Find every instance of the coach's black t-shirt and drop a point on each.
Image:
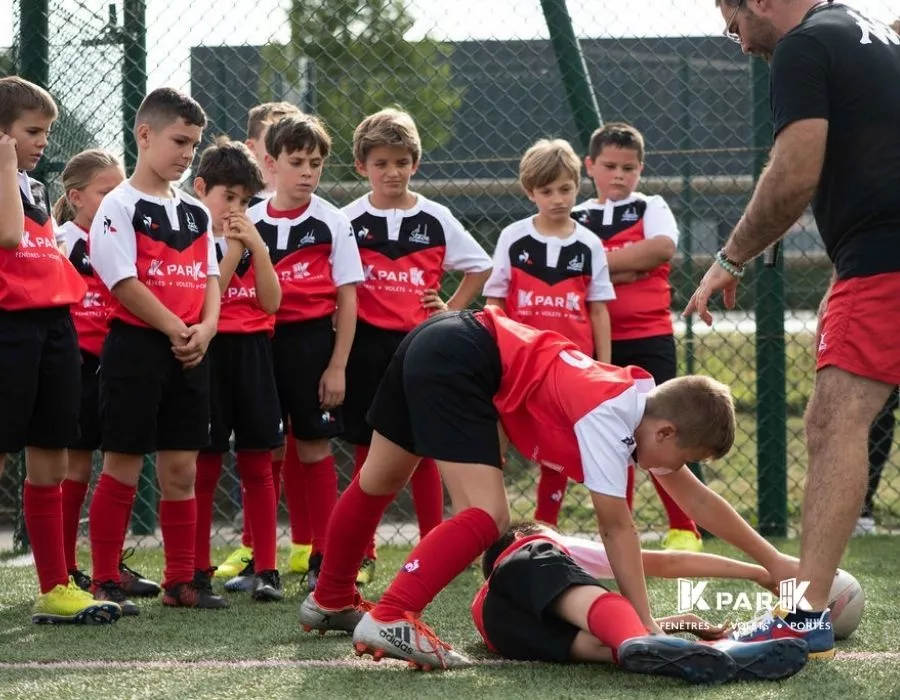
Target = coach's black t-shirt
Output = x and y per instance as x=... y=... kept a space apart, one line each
x=844 y=67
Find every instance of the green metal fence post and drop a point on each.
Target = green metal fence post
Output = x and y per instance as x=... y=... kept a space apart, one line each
x=575 y=76
x=771 y=406
x=34 y=65
x=134 y=72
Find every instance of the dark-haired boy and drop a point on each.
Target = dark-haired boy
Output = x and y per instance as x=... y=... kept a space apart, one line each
x=244 y=397
x=153 y=248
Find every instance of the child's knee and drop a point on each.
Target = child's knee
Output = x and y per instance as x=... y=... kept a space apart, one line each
x=176 y=473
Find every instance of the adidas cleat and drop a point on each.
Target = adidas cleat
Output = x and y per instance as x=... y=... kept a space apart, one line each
x=409 y=640
x=69 y=605
x=267 y=586
x=770 y=660
x=133 y=583
x=243 y=582
x=234 y=563
x=676 y=657
x=314 y=617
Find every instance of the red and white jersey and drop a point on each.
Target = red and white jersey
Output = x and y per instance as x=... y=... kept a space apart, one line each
x=241 y=312
x=564 y=410
x=547 y=282
x=35 y=274
x=642 y=309
x=404 y=252
x=313 y=251
x=166 y=243
x=91 y=314
x=589 y=555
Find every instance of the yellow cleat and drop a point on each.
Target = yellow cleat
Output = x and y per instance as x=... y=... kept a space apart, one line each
x=235 y=563
x=298 y=563
x=682 y=541
x=72 y=606
x=366 y=572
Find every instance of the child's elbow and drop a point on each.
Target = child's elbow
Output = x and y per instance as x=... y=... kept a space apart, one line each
x=10 y=239
x=270 y=306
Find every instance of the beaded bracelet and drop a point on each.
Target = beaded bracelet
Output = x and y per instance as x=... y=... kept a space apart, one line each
x=732 y=268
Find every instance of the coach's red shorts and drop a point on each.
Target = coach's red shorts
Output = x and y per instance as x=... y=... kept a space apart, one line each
x=860 y=325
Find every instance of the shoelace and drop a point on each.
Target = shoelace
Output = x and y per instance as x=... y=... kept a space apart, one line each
x=73 y=591
x=127 y=554
x=363 y=605
x=438 y=646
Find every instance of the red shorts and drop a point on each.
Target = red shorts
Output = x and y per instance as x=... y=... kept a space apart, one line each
x=859 y=328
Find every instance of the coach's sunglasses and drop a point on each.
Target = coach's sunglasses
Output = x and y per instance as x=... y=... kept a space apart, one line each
x=727 y=33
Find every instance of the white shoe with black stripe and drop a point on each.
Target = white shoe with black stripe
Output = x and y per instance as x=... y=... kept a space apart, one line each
x=408 y=639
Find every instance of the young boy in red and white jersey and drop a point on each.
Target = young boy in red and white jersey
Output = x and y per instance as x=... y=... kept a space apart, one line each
x=87 y=178
x=312 y=246
x=541 y=602
x=39 y=360
x=641 y=237
x=551 y=273
x=153 y=248
x=259 y=119
x=447 y=386
x=244 y=399
x=406 y=243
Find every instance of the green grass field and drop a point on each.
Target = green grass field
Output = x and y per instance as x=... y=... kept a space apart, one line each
x=255 y=650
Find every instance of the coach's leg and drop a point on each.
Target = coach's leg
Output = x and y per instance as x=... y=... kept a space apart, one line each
x=840 y=411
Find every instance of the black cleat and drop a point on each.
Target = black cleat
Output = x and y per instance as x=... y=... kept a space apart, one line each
x=81 y=579
x=676 y=657
x=315 y=568
x=113 y=592
x=196 y=594
x=133 y=583
x=267 y=586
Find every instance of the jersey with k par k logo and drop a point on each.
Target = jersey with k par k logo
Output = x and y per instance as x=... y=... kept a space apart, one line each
x=166 y=243
x=313 y=254
x=844 y=67
x=405 y=252
x=564 y=410
x=91 y=314
x=34 y=274
x=642 y=309
x=241 y=312
x=547 y=282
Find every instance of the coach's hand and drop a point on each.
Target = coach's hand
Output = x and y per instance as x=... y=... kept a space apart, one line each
x=197 y=339
x=8 y=155
x=716 y=279
x=332 y=387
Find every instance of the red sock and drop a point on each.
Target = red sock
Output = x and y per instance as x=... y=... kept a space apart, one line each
x=353 y=521
x=550 y=493
x=321 y=496
x=678 y=519
x=209 y=467
x=107 y=524
x=277 y=464
x=629 y=489
x=612 y=619
x=255 y=470
x=359 y=458
x=428 y=496
x=42 y=507
x=178 y=522
x=73 y=495
x=435 y=562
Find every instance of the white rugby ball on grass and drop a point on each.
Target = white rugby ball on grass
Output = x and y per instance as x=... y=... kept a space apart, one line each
x=847 y=602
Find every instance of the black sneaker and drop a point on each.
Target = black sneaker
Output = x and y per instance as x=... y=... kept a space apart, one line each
x=243 y=582
x=133 y=583
x=114 y=593
x=81 y=579
x=267 y=586
x=196 y=594
x=315 y=568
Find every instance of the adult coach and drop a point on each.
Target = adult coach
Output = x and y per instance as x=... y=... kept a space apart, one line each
x=835 y=94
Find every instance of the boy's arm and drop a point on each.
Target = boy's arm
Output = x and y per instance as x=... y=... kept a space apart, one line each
x=229 y=262
x=624 y=551
x=333 y=385
x=470 y=287
x=495 y=301
x=242 y=231
x=134 y=296
x=701 y=565
x=713 y=513
x=198 y=336
x=12 y=215
x=659 y=246
x=601 y=330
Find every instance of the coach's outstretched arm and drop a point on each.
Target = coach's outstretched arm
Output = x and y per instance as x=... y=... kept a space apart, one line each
x=713 y=513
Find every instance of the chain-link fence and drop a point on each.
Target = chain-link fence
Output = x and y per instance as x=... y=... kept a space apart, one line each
x=484 y=81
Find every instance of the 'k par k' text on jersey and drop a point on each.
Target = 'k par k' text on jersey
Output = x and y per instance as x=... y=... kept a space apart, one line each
x=91 y=314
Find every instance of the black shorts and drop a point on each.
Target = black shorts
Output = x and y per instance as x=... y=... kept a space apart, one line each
x=148 y=401
x=243 y=397
x=518 y=609
x=89 y=413
x=302 y=352
x=656 y=355
x=437 y=396
x=370 y=356
x=39 y=379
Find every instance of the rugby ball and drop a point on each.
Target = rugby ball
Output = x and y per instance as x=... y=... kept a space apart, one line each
x=847 y=602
